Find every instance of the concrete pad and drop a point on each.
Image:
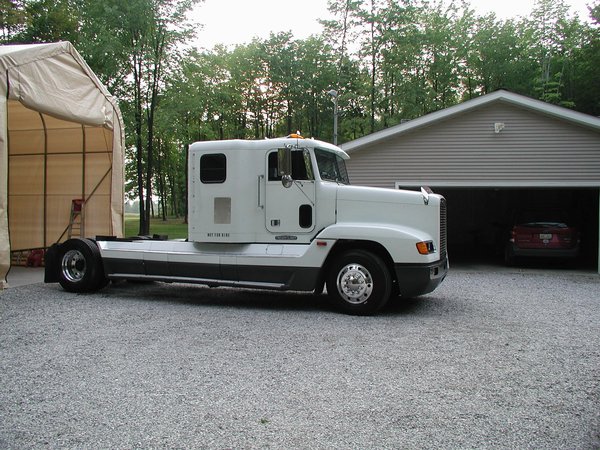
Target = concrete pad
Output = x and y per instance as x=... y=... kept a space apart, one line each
x=23 y=276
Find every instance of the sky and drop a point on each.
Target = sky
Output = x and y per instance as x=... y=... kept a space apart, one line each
x=233 y=22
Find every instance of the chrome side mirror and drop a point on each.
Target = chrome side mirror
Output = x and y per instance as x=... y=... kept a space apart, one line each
x=287 y=181
x=284 y=166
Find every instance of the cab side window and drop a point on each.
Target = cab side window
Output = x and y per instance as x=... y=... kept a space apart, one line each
x=274 y=174
x=301 y=166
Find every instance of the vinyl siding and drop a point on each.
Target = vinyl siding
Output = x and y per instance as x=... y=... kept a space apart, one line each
x=532 y=150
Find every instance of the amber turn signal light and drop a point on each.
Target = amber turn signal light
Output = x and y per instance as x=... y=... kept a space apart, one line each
x=425 y=248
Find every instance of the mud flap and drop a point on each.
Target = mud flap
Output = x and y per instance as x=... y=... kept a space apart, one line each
x=51 y=269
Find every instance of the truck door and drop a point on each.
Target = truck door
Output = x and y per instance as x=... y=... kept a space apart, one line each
x=290 y=210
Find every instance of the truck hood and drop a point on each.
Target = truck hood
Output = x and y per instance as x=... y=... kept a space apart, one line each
x=379 y=195
x=415 y=213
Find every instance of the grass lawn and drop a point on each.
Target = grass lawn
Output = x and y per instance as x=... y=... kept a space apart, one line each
x=172 y=227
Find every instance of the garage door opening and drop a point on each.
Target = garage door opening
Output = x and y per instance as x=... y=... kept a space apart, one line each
x=479 y=220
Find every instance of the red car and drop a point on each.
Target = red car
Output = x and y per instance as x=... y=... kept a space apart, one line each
x=542 y=239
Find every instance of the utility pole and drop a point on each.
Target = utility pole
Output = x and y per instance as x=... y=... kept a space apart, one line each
x=334 y=95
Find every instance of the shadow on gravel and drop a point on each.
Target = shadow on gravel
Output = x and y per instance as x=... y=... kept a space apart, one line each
x=401 y=306
x=218 y=297
x=254 y=299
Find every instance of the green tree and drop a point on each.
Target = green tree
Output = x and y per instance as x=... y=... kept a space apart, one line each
x=51 y=21
x=341 y=31
x=138 y=40
x=553 y=37
x=13 y=18
x=586 y=67
x=316 y=74
x=497 y=58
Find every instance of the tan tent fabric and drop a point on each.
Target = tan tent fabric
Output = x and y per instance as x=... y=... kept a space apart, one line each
x=61 y=139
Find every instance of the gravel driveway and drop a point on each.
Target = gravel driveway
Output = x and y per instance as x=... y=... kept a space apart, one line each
x=489 y=360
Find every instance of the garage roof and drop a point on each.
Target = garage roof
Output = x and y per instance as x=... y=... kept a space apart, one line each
x=498 y=96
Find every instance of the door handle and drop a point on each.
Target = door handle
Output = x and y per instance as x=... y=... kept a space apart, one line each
x=259 y=204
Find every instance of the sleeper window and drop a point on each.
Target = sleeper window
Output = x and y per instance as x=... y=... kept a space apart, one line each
x=213 y=168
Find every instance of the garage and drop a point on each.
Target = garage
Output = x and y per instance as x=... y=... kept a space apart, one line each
x=494 y=158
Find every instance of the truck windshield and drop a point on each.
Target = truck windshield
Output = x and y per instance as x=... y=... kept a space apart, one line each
x=331 y=166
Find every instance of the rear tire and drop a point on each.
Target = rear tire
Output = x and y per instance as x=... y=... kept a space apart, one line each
x=80 y=266
x=359 y=283
x=509 y=257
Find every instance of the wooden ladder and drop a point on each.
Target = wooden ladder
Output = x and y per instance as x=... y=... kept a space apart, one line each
x=76 y=218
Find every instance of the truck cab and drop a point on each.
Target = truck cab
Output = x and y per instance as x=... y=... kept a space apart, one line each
x=281 y=214
x=275 y=191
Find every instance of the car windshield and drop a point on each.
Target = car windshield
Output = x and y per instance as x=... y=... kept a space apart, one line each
x=543 y=218
x=331 y=166
x=543 y=223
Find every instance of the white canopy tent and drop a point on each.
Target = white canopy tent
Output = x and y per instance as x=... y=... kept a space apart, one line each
x=61 y=139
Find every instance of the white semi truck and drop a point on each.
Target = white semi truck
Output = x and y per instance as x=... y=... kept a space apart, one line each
x=278 y=214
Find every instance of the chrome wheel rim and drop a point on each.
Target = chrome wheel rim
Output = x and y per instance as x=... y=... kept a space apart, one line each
x=73 y=265
x=355 y=284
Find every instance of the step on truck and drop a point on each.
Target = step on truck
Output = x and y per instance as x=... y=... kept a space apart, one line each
x=278 y=214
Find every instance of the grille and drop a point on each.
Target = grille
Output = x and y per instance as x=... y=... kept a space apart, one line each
x=443 y=229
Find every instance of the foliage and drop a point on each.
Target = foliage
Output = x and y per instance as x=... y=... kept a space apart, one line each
x=13 y=18
x=389 y=60
x=139 y=40
x=585 y=68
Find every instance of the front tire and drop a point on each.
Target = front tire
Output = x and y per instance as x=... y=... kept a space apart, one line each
x=359 y=283
x=80 y=266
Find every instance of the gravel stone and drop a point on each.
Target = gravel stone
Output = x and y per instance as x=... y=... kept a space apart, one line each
x=492 y=359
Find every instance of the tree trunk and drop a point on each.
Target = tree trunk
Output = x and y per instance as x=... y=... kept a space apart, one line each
x=137 y=87
x=186 y=193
